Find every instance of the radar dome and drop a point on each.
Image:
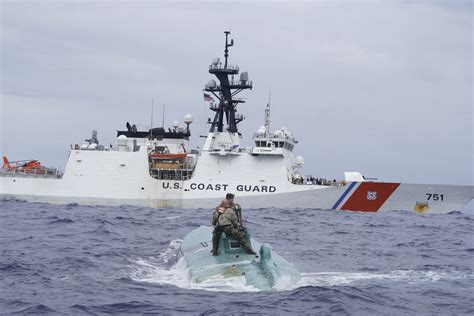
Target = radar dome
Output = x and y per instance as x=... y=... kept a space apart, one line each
x=175 y=123
x=188 y=119
x=299 y=161
x=278 y=134
x=211 y=84
x=122 y=140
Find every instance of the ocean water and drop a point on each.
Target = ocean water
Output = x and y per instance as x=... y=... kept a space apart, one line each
x=74 y=259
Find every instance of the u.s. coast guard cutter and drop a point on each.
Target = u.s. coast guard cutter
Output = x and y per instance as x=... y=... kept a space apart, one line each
x=157 y=168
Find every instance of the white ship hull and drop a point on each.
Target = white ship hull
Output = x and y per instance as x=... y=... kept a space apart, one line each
x=118 y=178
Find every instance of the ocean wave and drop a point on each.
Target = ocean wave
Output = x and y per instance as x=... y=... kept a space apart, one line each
x=112 y=259
x=14 y=267
x=62 y=221
x=35 y=310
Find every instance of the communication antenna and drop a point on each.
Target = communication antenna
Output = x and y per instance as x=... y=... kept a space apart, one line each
x=151 y=123
x=267 y=115
x=227 y=45
x=163 y=118
x=226 y=109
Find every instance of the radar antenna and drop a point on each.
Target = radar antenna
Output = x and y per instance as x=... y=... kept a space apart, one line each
x=226 y=91
x=267 y=116
x=227 y=45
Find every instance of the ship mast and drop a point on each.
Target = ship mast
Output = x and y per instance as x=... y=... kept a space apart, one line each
x=226 y=90
x=267 y=116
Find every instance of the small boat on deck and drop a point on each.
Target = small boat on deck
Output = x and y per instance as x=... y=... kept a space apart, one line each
x=167 y=156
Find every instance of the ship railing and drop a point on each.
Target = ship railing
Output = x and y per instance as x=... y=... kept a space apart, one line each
x=169 y=169
x=221 y=67
x=36 y=173
x=310 y=180
x=172 y=174
x=245 y=83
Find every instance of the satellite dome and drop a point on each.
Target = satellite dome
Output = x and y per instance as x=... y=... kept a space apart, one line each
x=299 y=161
x=122 y=140
x=211 y=84
x=188 y=119
x=175 y=123
x=278 y=134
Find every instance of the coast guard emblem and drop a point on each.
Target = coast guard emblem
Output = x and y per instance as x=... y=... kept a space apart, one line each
x=371 y=195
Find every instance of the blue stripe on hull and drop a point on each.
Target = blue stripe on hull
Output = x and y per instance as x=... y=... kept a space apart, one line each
x=344 y=195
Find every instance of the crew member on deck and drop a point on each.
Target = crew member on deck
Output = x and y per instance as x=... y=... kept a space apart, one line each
x=225 y=220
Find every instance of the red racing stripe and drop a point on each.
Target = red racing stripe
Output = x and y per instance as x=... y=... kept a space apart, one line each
x=369 y=196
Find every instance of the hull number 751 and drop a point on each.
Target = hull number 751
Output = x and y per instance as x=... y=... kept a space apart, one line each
x=435 y=197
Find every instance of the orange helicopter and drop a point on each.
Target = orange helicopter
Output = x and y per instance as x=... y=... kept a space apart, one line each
x=29 y=166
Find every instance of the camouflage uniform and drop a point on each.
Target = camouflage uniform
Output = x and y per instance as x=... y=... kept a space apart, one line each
x=227 y=222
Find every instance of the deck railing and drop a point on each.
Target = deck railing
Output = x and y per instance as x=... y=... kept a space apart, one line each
x=35 y=173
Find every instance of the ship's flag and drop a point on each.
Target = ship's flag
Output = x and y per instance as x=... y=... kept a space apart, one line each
x=208 y=98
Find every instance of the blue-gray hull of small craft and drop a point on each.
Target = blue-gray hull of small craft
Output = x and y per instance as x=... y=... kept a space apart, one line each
x=265 y=271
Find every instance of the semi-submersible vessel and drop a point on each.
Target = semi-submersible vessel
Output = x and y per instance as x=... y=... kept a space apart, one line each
x=157 y=168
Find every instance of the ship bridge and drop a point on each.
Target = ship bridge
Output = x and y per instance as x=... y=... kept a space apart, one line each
x=279 y=139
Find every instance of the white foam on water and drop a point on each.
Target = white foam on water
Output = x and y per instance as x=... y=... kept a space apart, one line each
x=177 y=275
x=345 y=278
x=171 y=252
x=167 y=218
x=151 y=271
x=285 y=283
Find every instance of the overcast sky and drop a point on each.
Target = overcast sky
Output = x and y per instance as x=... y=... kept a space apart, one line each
x=380 y=87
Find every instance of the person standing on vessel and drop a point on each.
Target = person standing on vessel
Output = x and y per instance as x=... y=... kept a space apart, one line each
x=236 y=207
x=225 y=220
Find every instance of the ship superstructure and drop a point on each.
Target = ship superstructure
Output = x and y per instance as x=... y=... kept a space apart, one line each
x=158 y=168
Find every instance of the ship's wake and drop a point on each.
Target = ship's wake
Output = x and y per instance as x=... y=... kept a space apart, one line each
x=327 y=279
x=155 y=271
